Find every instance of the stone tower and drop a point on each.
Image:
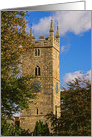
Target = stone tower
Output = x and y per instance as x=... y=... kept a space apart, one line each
x=43 y=62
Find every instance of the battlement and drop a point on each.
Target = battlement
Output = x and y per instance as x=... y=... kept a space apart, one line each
x=51 y=40
x=56 y=41
x=45 y=42
x=41 y=37
x=33 y=38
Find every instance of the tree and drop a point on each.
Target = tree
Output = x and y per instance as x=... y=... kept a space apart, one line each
x=15 y=88
x=11 y=130
x=75 y=117
x=41 y=129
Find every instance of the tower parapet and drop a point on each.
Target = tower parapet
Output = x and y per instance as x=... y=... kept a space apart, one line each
x=49 y=41
x=41 y=37
x=34 y=38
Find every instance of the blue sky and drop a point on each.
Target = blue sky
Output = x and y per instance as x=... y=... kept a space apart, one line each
x=78 y=56
x=75 y=39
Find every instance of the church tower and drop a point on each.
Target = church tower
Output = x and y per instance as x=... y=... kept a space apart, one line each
x=43 y=64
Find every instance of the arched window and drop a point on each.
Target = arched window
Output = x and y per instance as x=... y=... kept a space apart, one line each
x=37 y=71
x=37 y=52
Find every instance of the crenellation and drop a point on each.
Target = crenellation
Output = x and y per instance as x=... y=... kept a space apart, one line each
x=45 y=42
x=41 y=37
x=36 y=41
x=56 y=40
x=33 y=38
x=46 y=38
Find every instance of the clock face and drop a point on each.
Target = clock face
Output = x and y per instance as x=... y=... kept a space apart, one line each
x=56 y=87
x=37 y=86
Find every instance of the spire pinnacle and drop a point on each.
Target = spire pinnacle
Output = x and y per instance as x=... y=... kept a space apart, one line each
x=31 y=31
x=51 y=26
x=57 y=33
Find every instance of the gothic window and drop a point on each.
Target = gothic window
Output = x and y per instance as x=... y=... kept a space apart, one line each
x=37 y=111
x=56 y=110
x=37 y=52
x=37 y=71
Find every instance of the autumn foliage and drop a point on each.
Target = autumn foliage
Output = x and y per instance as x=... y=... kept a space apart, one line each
x=15 y=88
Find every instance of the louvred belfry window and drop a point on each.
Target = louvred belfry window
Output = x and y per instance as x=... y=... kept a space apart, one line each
x=37 y=52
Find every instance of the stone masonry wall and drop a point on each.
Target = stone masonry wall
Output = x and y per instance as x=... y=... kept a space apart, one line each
x=47 y=99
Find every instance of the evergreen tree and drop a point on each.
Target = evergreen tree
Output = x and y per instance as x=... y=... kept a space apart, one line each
x=41 y=129
x=75 y=117
x=11 y=130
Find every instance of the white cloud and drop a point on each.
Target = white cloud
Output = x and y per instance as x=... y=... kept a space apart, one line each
x=88 y=75
x=77 y=74
x=62 y=49
x=65 y=48
x=73 y=21
x=69 y=21
x=42 y=28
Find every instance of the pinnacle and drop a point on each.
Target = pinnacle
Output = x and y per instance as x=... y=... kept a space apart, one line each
x=57 y=33
x=51 y=26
